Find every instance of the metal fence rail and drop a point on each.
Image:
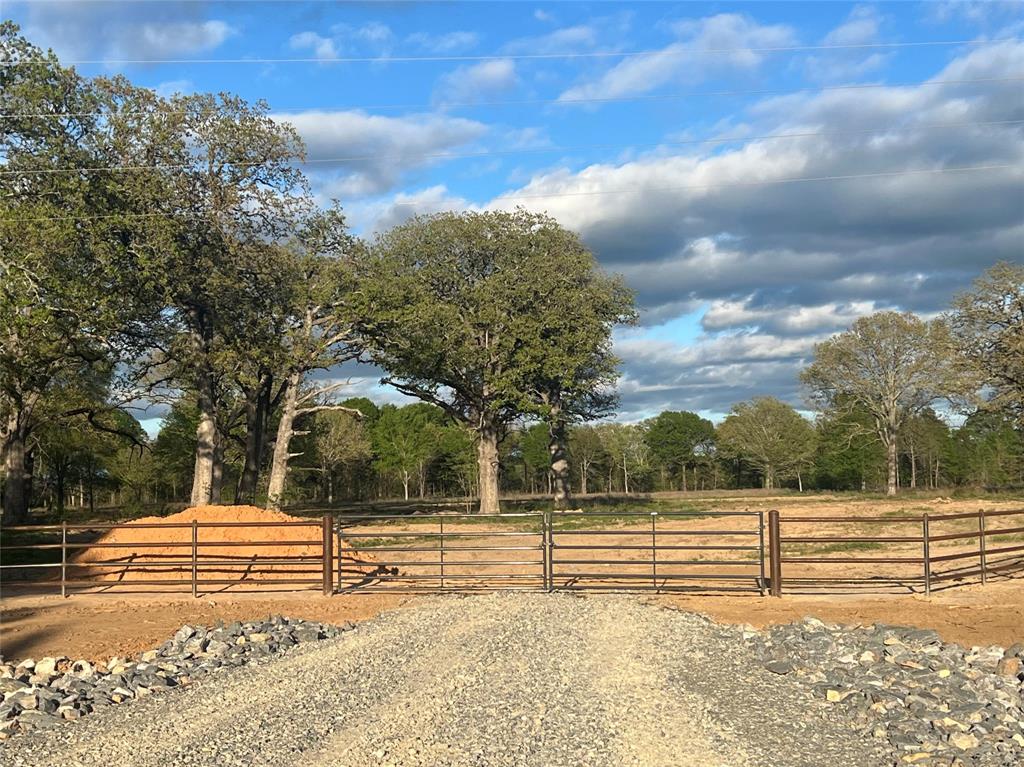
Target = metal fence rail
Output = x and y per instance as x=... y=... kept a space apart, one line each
x=526 y=551
x=441 y=552
x=652 y=551
x=186 y=560
x=915 y=553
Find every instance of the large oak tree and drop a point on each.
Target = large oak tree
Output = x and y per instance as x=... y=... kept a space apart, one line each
x=492 y=317
x=892 y=365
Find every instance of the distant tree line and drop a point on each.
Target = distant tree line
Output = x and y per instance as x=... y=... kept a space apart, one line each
x=416 y=451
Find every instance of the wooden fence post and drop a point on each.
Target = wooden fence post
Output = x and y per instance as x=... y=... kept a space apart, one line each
x=328 y=554
x=775 y=553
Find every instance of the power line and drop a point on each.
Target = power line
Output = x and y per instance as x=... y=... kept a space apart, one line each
x=533 y=150
x=536 y=102
x=725 y=184
x=680 y=51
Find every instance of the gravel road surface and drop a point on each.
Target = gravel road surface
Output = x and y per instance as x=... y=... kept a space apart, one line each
x=542 y=680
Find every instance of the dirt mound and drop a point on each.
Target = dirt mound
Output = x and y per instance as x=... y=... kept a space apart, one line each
x=135 y=552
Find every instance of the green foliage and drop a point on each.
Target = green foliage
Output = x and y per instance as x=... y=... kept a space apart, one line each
x=771 y=436
x=987 y=451
x=678 y=440
x=475 y=312
x=849 y=455
x=987 y=323
x=891 y=365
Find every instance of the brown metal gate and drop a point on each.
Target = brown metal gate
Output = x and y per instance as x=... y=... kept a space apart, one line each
x=547 y=551
x=441 y=552
x=657 y=551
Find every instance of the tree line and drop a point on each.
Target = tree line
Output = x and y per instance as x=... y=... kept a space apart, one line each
x=416 y=452
x=170 y=251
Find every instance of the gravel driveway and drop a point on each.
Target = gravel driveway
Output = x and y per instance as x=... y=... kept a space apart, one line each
x=505 y=679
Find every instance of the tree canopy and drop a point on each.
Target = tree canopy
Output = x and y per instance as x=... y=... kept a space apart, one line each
x=891 y=364
x=479 y=314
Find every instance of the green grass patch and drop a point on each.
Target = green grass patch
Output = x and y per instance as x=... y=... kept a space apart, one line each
x=837 y=548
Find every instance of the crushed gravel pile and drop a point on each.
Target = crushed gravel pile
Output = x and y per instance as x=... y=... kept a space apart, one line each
x=936 y=703
x=44 y=694
x=564 y=681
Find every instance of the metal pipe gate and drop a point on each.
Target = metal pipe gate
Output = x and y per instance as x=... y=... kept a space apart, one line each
x=547 y=551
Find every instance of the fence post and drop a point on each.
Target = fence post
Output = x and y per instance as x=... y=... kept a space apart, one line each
x=760 y=550
x=328 y=554
x=341 y=556
x=775 y=553
x=63 y=559
x=927 y=555
x=981 y=545
x=548 y=545
x=441 y=521
x=654 y=550
x=195 y=558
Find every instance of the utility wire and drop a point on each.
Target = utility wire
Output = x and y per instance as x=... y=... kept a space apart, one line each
x=531 y=150
x=535 y=102
x=727 y=184
x=722 y=185
x=681 y=51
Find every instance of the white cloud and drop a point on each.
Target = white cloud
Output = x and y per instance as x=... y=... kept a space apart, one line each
x=862 y=27
x=373 y=34
x=322 y=47
x=564 y=40
x=782 y=265
x=473 y=82
x=166 y=39
x=978 y=12
x=383 y=148
x=171 y=87
x=782 y=319
x=449 y=42
x=142 y=31
x=689 y=59
x=380 y=215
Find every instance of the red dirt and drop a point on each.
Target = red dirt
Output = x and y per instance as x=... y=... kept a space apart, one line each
x=262 y=559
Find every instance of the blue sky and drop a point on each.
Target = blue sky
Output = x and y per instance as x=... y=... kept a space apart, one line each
x=643 y=154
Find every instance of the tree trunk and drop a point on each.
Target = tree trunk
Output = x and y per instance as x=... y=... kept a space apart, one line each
x=206 y=439
x=891 y=461
x=559 y=452
x=584 y=466
x=257 y=408
x=625 y=478
x=913 y=468
x=217 y=474
x=285 y=430
x=15 y=473
x=405 y=484
x=59 y=471
x=799 y=480
x=487 y=463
